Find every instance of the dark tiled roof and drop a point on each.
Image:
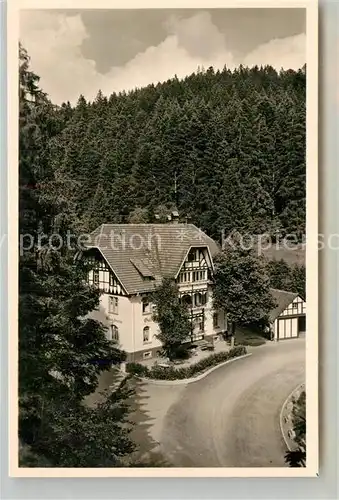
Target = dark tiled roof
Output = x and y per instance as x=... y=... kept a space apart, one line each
x=143 y=266
x=283 y=299
x=158 y=250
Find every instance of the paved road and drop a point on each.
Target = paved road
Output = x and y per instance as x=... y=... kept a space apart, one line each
x=231 y=418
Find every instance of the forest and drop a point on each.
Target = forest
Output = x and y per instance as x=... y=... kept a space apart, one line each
x=225 y=148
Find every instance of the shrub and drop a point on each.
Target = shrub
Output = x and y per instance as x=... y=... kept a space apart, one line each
x=252 y=341
x=137 y=369
x=172 y=373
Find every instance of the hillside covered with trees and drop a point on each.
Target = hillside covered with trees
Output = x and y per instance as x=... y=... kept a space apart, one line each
x=226 y=148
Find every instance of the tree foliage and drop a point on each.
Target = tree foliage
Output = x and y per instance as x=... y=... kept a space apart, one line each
x=297 y=457
x=291 y=278
x=171 y=316
x=299 y=418
x=225 y=148
x=61 y=350
x=241 y=286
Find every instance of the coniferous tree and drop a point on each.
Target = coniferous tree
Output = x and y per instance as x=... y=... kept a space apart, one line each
x=61 y=350
x=227 y=148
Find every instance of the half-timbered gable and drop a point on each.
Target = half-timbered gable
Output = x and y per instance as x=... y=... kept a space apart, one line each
x=295 y=308
x=288 y=319
x=193 y=280
x=197 y=266
x=102 y=276
x=129 y=261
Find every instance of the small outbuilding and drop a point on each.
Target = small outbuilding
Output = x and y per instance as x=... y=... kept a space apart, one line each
x=288 y=319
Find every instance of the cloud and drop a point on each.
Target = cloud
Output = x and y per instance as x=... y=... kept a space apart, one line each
x=54 y=42
x=287 y=53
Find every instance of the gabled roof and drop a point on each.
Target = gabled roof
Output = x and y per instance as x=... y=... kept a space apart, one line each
x=283 y=300
x=138 y=251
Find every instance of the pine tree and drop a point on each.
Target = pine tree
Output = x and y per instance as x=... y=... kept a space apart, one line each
x=227 y=148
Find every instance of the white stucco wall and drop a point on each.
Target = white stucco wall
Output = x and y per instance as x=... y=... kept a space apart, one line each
x=122 y=320
x=130 y=321
x=140 y=321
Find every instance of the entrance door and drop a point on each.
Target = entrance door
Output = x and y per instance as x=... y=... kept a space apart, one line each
x=302 y=324
x=287 y=328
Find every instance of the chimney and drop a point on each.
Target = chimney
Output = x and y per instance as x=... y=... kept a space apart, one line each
x=175 y=217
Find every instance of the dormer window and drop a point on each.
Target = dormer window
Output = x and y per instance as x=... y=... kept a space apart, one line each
x=141 y=266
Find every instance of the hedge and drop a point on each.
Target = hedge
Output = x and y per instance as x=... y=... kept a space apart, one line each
x=252 y=341
x=172 y=373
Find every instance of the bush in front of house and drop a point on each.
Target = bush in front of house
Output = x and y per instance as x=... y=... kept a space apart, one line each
x=172 y=373
x=137 y=369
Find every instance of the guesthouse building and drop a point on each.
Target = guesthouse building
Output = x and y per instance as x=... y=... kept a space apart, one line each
x=128 y=263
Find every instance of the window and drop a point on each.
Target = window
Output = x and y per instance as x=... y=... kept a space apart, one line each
x=185 y=277
x=187 y=300
x=111 y=279
x=96 y=277
x=198 y=299
x=114 y=333
x=146 y=334
x=146 y=306
x=113 y=303
x=199 y=275
x=295 y=305
x=215 y=320
x=147 y=355
x=198 y=323
x=191 y=256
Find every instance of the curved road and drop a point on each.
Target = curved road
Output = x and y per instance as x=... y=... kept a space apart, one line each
x=231 y=418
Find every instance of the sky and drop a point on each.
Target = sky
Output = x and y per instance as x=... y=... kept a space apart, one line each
x=81 y=51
